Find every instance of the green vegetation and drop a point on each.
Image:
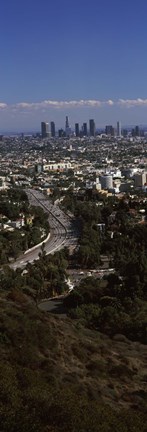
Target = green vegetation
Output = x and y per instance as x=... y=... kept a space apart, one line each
x=45 y=278
x=14 y=206
x=117 y=304
x=85 y=372
x=89 y=242
x=108 y=306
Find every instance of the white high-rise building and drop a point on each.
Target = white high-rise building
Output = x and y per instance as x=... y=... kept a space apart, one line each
x=119 y=129
x=98 y=184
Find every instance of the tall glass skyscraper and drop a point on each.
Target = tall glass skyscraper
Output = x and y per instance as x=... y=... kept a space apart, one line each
x=53 y=132
x=66 y=123
x=119 y=129
x=91 y=127
x=77 y=130
x=44 y=130
x=67 y=127
x=85 y=129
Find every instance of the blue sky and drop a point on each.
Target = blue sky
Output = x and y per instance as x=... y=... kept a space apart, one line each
x=77 y=57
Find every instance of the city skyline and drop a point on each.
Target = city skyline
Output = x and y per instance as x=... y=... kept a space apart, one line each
x=25 y=116
x=83 y=59
x=90 y=130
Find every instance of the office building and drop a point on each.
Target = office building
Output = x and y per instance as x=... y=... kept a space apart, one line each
x=39 y=168
x=106 y=181
x=118 y=129
x=44 y=130
x=61 y=133
x=67 y=127
x=53 y=132
x=124 y=133
x=85 y=133
x=140 y=179
x=91 y=127
x=136 y=132
x=66 y=123
x=77 y=131
x=109 y=130
x=98 y=184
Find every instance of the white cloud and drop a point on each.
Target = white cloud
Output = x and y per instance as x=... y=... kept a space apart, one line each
x=54 y=104
x=23 y=105
x=3 y=105
x=110 y=102
x=130 y=103
x=71 y=103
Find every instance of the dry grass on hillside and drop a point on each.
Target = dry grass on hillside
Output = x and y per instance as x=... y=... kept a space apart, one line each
x=66 y=354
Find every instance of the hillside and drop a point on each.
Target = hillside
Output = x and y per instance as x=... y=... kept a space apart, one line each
x=58 y=376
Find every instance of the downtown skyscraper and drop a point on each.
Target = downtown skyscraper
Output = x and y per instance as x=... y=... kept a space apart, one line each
x=119 y=129
x=44 y=130
x=67 y=127
x=91 y=127
x=77 y=130
x=53 y=131
x=85 y=133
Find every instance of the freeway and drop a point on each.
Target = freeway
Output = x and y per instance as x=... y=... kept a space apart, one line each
x=63 y=232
